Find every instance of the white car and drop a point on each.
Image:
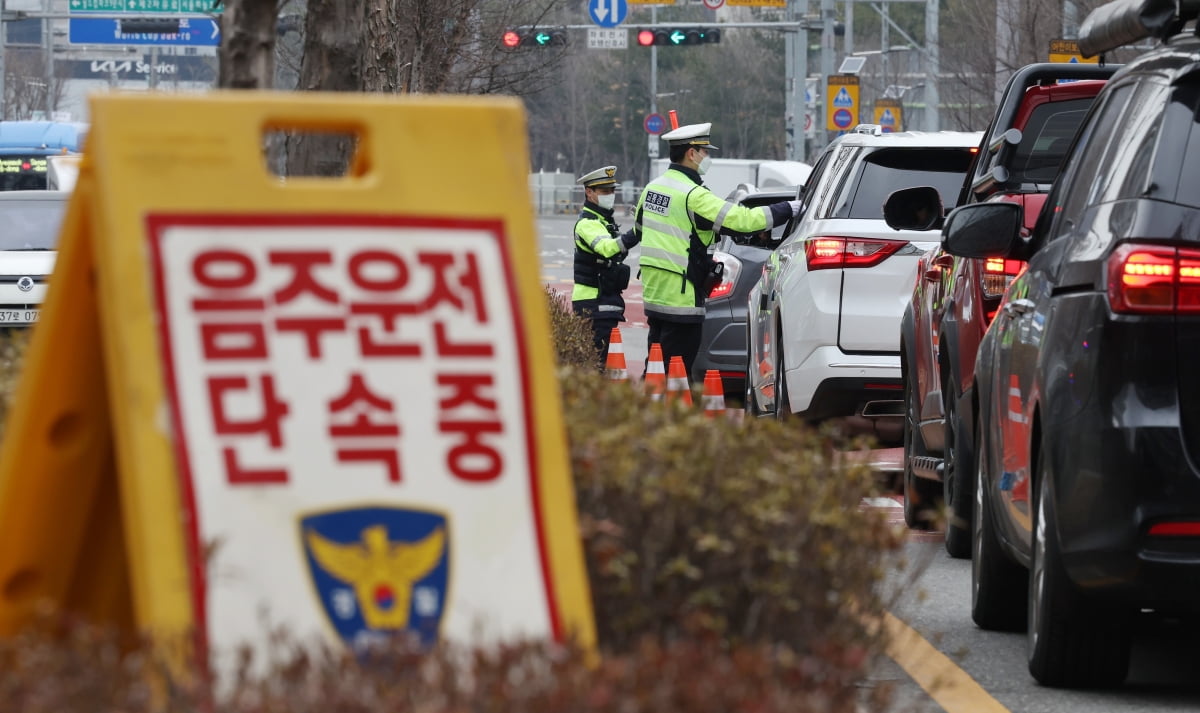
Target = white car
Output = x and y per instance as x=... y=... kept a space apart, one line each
x=31 y=222
x=824 y=327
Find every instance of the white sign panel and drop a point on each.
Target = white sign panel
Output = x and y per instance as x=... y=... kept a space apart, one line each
x=351 y=408
x=600 y=38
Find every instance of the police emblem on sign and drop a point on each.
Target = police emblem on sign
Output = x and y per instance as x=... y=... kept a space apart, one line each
x=379 y=571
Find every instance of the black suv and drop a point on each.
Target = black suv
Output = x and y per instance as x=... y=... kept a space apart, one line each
x=1086 y=395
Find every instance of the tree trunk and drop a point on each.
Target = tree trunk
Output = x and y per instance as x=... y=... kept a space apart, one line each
x=247 y=53
x=333 y=50
x=380 y=69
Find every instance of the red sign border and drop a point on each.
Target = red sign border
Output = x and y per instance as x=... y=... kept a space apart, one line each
x=157 y=224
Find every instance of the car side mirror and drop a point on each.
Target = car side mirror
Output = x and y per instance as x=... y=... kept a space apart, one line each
x=983 y=230
x=918 y=208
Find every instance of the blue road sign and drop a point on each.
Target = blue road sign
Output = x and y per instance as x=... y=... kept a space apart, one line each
x=607 y=13
x=654 y=123
x=193 y=32
x=842 y=118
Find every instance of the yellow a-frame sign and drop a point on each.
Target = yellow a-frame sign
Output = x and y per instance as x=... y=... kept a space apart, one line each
x=331 y=399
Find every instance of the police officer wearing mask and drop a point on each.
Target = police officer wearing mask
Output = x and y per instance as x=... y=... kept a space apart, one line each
x=677 y=219
x=600 y=274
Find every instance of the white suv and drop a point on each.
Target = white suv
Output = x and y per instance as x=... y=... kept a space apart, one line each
x=824 y=331
x=28 y=248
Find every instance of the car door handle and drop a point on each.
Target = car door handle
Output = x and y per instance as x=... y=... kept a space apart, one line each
x=1016 y=307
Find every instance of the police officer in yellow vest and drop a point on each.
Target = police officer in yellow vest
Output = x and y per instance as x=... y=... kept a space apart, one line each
x=677 y=219
x=600 y=273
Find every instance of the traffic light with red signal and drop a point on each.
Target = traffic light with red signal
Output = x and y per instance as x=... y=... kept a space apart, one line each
x=512 y=39
x=678 y=37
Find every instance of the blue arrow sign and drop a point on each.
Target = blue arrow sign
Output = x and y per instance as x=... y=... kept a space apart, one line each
x=607 y=13
x=193 y=32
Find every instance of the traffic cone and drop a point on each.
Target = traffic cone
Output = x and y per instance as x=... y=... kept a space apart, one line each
x=677 y=382
x=614 y=363
x=655 y=380
x=714 y=394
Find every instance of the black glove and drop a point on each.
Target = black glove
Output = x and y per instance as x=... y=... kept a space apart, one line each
x=630 y=238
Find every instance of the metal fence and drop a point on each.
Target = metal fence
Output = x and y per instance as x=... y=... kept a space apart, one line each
x=558 y=194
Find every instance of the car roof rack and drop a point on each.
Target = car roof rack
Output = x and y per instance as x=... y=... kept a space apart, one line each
x=991 y=174
x=1124 y=22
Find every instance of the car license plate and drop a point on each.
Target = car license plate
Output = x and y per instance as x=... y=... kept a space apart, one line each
x=19 y=316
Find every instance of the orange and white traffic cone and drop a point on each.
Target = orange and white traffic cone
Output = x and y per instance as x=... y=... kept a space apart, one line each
x=714 y=394
x=655 y=380
x=677 y=382
x=614 y=363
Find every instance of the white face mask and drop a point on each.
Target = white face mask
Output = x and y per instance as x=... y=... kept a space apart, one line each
x=704 y=164
x=606 y=201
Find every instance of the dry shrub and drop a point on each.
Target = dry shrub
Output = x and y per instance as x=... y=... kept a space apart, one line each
x=83 y=671
x=731 y=566
x=571 y=333
x=749 y=532
x=13 y=343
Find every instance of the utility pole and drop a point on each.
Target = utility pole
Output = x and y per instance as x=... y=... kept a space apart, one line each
x=48 y=39
x=3 y=68
x=652 y=148
x=1070 y=25
x=933 y=63
x=796 y=44
x=827 y=49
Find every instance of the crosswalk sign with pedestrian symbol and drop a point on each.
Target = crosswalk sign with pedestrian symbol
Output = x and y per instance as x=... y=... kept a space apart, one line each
x=842 y=112
x=888 y=114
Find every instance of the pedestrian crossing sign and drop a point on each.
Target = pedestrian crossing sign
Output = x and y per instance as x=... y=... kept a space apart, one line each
x=841 y=114
x=1067 y=51
x=889 y=114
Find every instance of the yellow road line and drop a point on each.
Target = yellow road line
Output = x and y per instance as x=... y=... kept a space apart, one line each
x=953 y=689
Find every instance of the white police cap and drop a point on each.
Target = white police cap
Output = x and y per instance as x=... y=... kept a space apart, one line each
x=690 y=135
x=600 y=177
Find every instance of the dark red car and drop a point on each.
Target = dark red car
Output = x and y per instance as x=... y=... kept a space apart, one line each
x=954 y=299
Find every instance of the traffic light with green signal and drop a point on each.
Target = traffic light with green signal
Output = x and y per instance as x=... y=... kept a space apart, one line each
x=678 y=37
x=513 y=39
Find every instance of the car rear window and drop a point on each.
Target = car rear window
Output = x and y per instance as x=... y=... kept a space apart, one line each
x=22 y=172
x=30 y=224
x=888 y=170
x=1045 y=139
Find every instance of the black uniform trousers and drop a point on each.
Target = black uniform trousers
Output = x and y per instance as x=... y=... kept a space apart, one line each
x=680 y=339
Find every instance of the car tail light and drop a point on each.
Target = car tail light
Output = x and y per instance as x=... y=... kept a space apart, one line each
x=729 y=278
x=1150 y=279
x=1184 y=528
x=997 y=273
x=823 y=253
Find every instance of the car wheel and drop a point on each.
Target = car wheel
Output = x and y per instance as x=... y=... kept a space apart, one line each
x=997 y=583
x=920 y=494
x=1072 y=641
x=957 y=479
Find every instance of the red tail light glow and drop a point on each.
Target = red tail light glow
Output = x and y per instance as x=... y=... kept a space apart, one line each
x=997 y=273
x=1149 y=279
x=729 y=278
x=1176 y=529
x=823 y=253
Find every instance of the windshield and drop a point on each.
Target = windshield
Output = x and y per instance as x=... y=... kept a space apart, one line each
x=30 y=224
x=892 y=169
